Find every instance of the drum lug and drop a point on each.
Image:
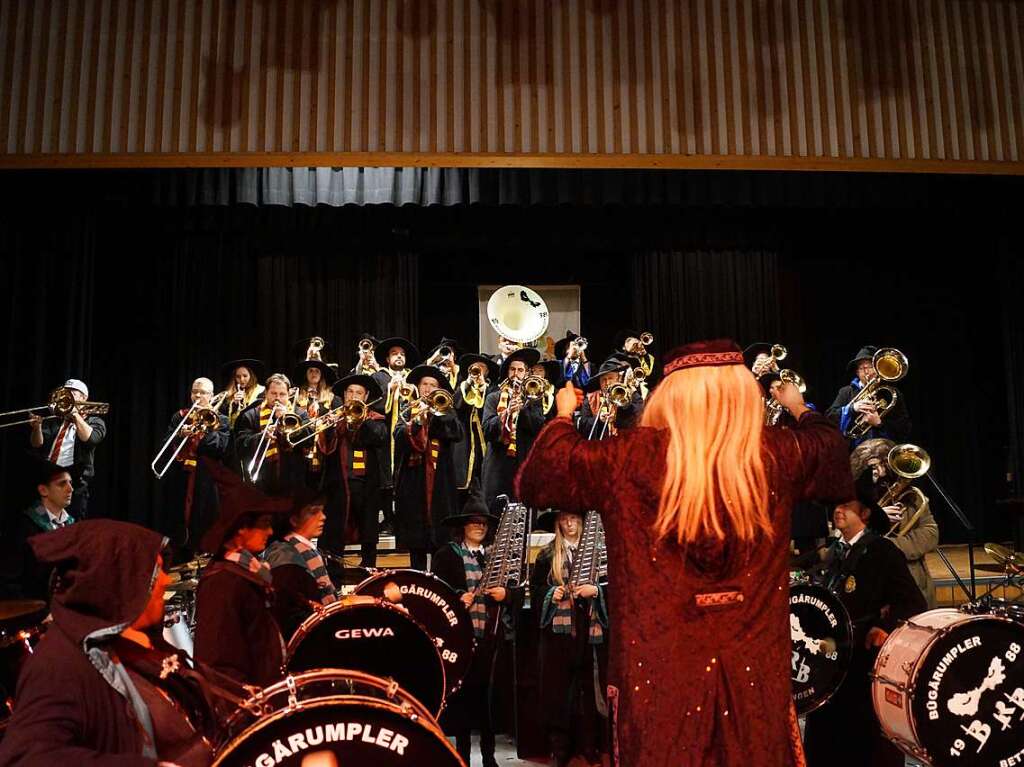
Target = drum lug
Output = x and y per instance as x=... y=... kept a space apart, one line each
x=392 y=689
x=293 y=693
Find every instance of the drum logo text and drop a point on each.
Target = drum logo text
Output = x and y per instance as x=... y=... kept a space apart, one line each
x=312 y=737
x=435 y=599
x=371 y=633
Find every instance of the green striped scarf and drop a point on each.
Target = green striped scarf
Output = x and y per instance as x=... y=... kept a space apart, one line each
x=474 y=574
x=558 y=615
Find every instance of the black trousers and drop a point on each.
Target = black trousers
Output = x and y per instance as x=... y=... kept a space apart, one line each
x=363 y=505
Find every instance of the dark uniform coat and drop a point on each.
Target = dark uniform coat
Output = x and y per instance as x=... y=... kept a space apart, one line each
x=500 y=467
x=83 y=468
x=282 y=473
x=895 y=424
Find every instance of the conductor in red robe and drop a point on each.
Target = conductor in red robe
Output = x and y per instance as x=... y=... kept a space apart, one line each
x=695 y=502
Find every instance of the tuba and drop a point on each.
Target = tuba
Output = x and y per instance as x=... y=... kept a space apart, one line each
x=518 y=313
x=908 y=462
x=890 y=365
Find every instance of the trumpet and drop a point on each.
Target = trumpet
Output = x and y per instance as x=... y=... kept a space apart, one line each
x=776 y=354
x=908 y=462
x=405 y=390
x=198 y=420
x=234 y=408
x=352 y=413
x=316 y=345
x=438 y=402
x=474 y=388
x=60 y=405
x=284 y=424
x=443 y=354
x=367 y=358
x=773 y=408
x=579 y=344
x=640 y=347
x=890 y=365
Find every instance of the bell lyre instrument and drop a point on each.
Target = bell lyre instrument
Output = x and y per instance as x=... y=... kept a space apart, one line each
x=199 y=420
x=890 y=365
x=61 y=404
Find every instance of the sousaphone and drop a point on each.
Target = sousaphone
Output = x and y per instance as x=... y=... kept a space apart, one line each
x=518 y=313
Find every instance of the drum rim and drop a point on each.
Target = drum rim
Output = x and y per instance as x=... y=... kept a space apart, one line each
x=456 y=604
x=340 y=606
x=427 y=722
x=849 y=630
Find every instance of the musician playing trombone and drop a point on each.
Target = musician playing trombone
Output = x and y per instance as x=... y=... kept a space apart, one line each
x=189 y=492
x=263 y=453
x=613 y=399
x=470 y=396
x=71 y=444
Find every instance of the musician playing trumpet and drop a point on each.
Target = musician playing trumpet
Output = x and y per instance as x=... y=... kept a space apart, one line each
x=283 y=469
x=572 y=352
x=470 y=397
x=315 y=396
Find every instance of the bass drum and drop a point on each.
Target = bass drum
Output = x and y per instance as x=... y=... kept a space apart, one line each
x=948 y=689
x=334 y=718
x=375 y=637
x=21 y=626
x=436 y=606
x=822 y=644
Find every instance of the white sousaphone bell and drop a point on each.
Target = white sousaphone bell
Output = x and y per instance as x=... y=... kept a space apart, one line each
x=518 y=313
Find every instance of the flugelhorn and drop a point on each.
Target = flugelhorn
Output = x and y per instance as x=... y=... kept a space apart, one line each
x=61 y=404
x=198 y=420
x=908 y=462
x=890 y=365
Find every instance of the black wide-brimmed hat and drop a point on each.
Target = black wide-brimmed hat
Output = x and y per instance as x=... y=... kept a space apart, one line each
x=451 y=343
x=473 y=507
x=562 y=346
x=412 y=354
x=467 y=360
x=330 y=375
x=373 y=390
x=751 y=353
x=553 y=372
x=256 y=367
x=420 y=371
x=868 y=494
x=621 y=336
x=527 y=355
x=767 y=380
x=546 y=520
x=614 y=364
x=865 y=353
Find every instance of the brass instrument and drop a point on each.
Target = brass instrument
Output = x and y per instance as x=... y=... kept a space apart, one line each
x=773 y=408
x=776 y=354
x=518 y=313
x=890 y=365
x=234 y=408
x=640 y=347
x=352 y=413
x=61 y=404
x=474 y=388
x=367 y=358
x=443 y=354
x=405 y=390
x=616 y=396
x=198 y=420
x=580 y=344
x=908 y=462
x=438 y=402
x=533 y=387
x=283 y=424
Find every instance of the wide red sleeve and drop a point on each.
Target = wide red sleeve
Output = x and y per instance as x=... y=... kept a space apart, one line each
x=567 y=472
x=813 y=457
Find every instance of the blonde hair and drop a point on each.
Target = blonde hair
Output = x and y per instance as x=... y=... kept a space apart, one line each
x=716 y=483
x=558 y=552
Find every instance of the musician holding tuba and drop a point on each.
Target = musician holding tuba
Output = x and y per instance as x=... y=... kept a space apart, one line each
x=190 y=494
x=884 y=472
x=70 y=442
x=265 y=457
x=425 y=484
x=870 y=406
x=470 y=397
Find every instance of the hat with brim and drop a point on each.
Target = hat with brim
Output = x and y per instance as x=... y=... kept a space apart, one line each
x=451 y=343
x=562 y=347
x=256 y=367
x=868 y=494
x=373 y=390
x=767 y=380
x=865 y=353
x=614 y=364
x=526 y=355
x=237 y=501
x=553 y=372
x=473 y=507
x=412 y=354
x=419 y=372
x=546 y=520
x=752 y=352
x=328 y=373
x=468 y=360
x=622 y=336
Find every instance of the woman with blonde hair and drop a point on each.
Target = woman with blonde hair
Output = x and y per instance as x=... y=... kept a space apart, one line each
x=695 y=504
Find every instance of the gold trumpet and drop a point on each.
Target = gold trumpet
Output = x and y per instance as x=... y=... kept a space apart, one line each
x=60 y=405
x=890 y=365
x=773 y=408
x=908 y=462
x=640 y=347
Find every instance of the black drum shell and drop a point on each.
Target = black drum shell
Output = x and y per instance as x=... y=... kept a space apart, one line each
x=816 y=676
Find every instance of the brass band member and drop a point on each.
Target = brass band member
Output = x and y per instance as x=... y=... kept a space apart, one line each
x=571 y=352
x=573 y=654
x=242 y=385
x=599 y=416
x=314 y=377
x=355 y=478
x=283 y=469
x=511 y=423
x=190 y=494
x=470 y=397
x=896 y=425
x=873 y=477
x=506 y=347
x=102 y=687
x=71 y=443
x=443 y=357
x=551 y=372
x=461 y=564
x=425 y=487
x=635 y=344
x=366 y=356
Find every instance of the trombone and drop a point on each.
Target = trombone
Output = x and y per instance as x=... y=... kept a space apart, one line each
x=60 y=405
x=438 y=402
x=890 y=365
x=285 y=423
x=617 y=395
x=908 y=462
x=199 y=420
x=353 y=413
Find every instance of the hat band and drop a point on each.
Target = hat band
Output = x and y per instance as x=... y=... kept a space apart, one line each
x=703 y=359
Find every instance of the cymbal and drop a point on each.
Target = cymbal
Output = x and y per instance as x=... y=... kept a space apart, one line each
x=992 y=567
x=1008 y=559
x=193 y=564
x=189 y=584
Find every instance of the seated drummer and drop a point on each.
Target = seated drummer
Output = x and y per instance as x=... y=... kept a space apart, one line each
x=236 y=632
x=870 y=576
x=102 y=687
x=298 y=569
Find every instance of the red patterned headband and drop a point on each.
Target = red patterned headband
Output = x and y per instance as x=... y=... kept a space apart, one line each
x=703 y=359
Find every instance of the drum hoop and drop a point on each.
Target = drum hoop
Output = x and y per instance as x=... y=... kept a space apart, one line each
x=426 y=720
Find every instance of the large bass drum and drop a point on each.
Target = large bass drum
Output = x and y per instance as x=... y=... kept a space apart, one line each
x=334 y=718
x=436 y=606
x=822 y=644
x=948 y=689
x=375 y=637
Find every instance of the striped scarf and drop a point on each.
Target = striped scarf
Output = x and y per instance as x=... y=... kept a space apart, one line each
x=558 y=615
x=42 y=519
x=474 y=574
x=247 y=561
x=271 y=454
x=317 y=568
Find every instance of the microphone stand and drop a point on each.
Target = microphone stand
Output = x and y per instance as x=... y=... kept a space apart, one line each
x=969 y=527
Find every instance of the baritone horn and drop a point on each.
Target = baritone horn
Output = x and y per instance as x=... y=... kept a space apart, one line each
x=890 y=365
x=60 y=405
x=908 y=462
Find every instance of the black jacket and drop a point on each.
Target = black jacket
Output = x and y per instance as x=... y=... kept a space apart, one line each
x=500 y=467
x=278 y=477
x=895 y=425
x=83 y=468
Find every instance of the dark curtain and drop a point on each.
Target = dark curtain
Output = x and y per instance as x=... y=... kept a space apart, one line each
x=139 y=304
x=1012 y=278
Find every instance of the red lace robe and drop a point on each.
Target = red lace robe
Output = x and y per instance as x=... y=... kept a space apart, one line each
x=699 y=639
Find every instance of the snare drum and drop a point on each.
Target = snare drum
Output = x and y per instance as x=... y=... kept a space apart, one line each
x=21 y=626
x=822 y=644
x=334 y=718
x=436 y=606
x=948 y=688
x=375 y=637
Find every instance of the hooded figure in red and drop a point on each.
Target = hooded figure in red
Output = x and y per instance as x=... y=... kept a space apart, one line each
x=695 y=503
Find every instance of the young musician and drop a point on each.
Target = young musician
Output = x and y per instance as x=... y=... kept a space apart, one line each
x=425 y=485
x=573 y=656
x=314 y=378
x=71 y=443
x=470 y=396
x=896 y=425
x=461 y=563
x=242 y=385
x=355 y=477
x=283 y=469
x=102 y=687
x=695 y=506
x=511 y=422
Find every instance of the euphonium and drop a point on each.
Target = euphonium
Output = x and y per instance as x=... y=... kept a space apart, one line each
x=908 y=462
x=890 y=365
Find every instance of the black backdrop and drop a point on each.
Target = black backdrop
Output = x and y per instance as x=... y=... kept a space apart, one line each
x=138 y=299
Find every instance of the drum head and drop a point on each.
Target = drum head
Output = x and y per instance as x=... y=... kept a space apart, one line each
x=435 y=605
x=339 y=732
x=372 y=636
x=822 y=640
x=967 y=699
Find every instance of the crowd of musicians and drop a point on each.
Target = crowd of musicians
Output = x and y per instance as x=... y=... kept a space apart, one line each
x=273 y=474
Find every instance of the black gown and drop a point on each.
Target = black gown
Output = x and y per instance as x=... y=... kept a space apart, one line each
x=499 y=466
